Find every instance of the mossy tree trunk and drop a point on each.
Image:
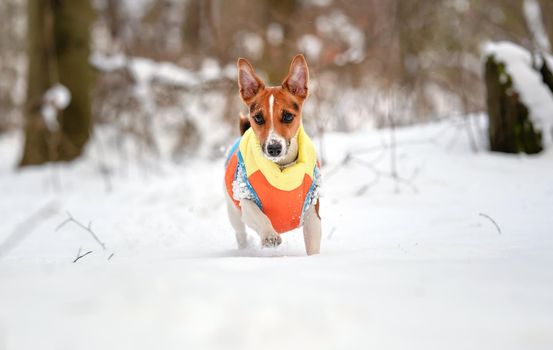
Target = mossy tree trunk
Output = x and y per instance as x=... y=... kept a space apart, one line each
x=58 y=36
x=510 y=127
x=546 y=72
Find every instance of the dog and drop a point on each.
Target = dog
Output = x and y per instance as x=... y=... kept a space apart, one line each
x=272 y=175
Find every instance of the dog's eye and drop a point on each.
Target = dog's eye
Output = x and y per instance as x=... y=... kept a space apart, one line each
x=287 y=117
x=258 y=118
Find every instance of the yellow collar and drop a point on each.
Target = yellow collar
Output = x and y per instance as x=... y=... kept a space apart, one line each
x=286 y=179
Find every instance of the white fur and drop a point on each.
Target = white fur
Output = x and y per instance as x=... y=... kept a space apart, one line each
x=312 y=232
x=271 y=107
x=255 y=219
x=290 y=153
x=236 y=223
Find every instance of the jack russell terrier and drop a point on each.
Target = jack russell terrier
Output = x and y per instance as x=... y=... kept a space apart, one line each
x=272 y=175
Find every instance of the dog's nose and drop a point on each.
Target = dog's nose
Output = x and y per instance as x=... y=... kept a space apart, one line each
x=274 y=149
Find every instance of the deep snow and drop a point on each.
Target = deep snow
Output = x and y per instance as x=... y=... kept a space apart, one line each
x=418 y=269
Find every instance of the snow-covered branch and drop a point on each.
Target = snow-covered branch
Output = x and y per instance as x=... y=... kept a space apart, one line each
x=147 y=71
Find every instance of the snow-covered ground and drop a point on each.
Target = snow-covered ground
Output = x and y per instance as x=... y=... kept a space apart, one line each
x=422 y=268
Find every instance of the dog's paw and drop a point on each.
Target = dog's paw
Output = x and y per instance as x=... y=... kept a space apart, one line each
x=273 y=240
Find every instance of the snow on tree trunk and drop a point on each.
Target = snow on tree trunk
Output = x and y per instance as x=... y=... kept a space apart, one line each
x=519 y=98
x=510 y=128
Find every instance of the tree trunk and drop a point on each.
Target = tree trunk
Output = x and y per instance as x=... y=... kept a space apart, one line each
x=191 y=27
x=546 y=72
x=547 y=17
x=114 y=19
x=58 y=37
x=38 y=80
x=510 y=127
x=71 y=31
x=276 y=60
x=199 y=33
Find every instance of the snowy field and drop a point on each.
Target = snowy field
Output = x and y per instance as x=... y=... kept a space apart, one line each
x=420 y=266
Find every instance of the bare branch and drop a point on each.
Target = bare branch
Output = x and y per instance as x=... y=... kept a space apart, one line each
x=393 y=161
x=81 y=256
x=66 y=221
x=365 y=188
x=397 y=179
x=492 y=221
x=86 y=228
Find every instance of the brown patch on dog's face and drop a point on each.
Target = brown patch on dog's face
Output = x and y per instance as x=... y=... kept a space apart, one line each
x=274 y=109
x=274 y=112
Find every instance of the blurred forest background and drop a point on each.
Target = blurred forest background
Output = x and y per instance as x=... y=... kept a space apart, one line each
x=114 y=120
x=159 y=76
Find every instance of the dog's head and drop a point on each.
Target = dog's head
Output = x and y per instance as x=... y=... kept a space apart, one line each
x=274 y=112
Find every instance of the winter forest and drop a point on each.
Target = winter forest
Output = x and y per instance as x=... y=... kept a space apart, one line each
x=432 y=128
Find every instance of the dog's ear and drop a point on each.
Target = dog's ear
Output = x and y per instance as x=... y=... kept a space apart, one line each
x=248 y=81
x=298 y=77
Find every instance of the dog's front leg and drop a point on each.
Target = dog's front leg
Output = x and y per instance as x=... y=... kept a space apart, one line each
x=234 y=215
x=312 y=232
x=254 y=218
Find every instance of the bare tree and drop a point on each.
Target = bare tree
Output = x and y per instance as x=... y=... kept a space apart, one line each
x=58 y=50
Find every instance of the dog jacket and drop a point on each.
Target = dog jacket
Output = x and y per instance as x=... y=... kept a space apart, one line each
x=284 y=195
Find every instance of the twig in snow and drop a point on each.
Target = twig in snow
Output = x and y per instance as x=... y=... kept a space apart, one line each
x=79 y=256
x=111 y=256
x=86 y=228
x=492 y=221
x=387 y=149
x=365 y=188
x=397 y=180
